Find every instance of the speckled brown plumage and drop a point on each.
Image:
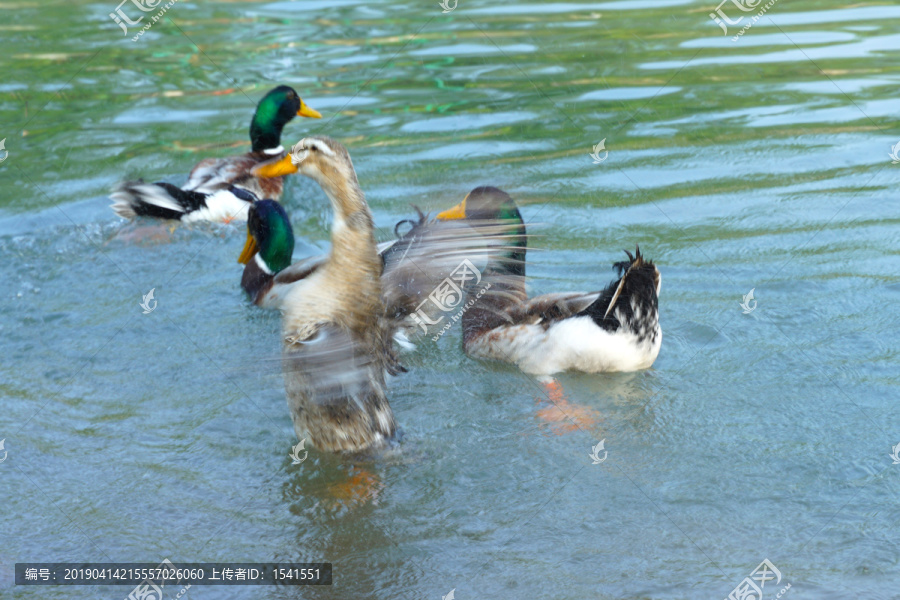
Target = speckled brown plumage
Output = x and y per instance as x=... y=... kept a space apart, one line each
x=213 y=174
x=336 y=344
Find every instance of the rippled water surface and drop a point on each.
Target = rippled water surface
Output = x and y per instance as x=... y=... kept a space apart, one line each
x=761 y=163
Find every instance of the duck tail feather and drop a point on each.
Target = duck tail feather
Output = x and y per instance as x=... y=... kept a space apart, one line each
x=158 y=200
x=413 y=223
x=637 y=283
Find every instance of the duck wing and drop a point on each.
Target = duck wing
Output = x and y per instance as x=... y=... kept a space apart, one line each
x=424 y=257
x=300 y=269
x=547 y=308
x=333 y=365
x=336 y=391
x=214 y=174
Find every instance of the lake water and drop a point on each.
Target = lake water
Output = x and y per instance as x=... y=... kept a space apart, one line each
x=761 y=163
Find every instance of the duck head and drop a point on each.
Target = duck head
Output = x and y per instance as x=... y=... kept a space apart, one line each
x=273 y=112
x=486 y=203
x=328 y=163
x=270 y=237
x=493 y=211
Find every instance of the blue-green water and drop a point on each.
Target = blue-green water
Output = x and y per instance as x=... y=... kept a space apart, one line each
x=758 y=164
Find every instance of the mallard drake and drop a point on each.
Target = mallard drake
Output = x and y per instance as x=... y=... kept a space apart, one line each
x=209 y=194
x=267 y=255
x=336 y=342
x=615 y=329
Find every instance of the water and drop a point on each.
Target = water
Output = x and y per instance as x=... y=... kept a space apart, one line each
x=761 y=163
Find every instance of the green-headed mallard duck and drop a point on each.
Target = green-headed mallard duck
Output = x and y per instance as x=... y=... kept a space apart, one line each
x=615 y=329
x=209 y=192
x=337 y=345
x=266 y=256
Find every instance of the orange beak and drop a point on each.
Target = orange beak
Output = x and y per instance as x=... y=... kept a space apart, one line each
x=453 y=214
x=249 y=249
x=277 y=168
x=306 y=111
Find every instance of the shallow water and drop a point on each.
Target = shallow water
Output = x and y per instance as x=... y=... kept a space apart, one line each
x=761 y=163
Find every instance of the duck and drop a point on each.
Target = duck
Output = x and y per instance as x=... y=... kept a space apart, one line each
x=615 y=329
x=336 y=343
x=209 y=192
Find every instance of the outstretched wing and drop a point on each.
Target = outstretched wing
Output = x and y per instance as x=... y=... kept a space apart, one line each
x=423 y=257
x=332 y=365
x=434 y=251
x=335 y=388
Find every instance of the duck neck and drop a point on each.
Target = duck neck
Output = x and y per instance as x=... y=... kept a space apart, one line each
x=353 y=231
x=266 y=126
x=507 y=256
x=257 y=279
x=502 y=284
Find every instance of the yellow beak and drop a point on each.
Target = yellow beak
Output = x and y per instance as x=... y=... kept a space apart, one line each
x=455 y=213
x=249 y=249
x=282 y=166
x=306 y=111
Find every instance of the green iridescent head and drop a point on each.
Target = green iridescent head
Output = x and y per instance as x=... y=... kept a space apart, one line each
x=273 y=112
x=493 y=208
x=269 y=234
